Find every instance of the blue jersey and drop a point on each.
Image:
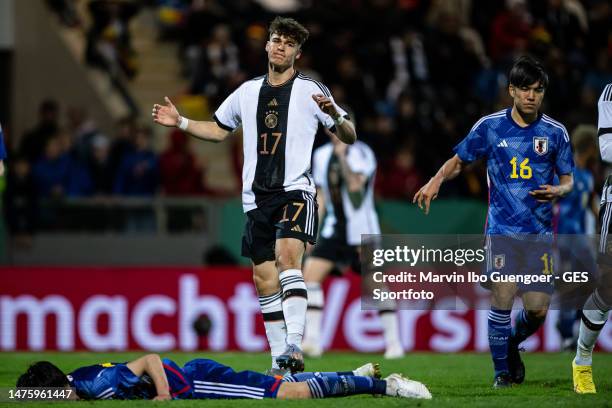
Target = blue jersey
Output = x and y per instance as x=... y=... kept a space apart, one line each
x=573 y=208
x=2 y=147
x=519 y=160
x=198 y=379
x=117 y=381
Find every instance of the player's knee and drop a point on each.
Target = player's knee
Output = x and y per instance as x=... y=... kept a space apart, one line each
x=287 y=259
x=502 y=300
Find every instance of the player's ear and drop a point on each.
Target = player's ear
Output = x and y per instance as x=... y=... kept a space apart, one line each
x=511 y=90
x=298 y=55
x=267 y=46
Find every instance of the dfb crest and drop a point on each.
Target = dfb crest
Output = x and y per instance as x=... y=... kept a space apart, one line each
x=540 y=145
x=499 y=261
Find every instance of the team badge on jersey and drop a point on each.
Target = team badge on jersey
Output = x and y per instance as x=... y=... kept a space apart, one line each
x=540 y=145
x=499 y=261
x=271 y=120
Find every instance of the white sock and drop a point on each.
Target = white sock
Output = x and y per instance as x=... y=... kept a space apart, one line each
x=391 y=329
x=314 y=314
x=594 y=316
x=274 y=322
x=294 y=304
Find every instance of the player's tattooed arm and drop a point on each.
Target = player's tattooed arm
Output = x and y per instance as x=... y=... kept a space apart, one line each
x=345 y=130
x=547 y=193
x=429 y=191
x=152 y=365
x=168 y=115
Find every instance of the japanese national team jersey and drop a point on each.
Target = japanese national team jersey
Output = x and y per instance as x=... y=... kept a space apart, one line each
x=573 y=208
x=117 y=381
x=519 y=160
x=279 y=124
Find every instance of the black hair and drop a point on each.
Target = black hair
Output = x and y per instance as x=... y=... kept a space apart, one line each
x=288 y=27
x=42 y=374
x=527 y=71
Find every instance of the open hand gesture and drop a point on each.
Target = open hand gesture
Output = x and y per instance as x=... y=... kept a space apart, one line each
x=166 y=115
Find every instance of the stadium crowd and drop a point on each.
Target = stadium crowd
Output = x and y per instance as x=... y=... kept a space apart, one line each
x=414 y=73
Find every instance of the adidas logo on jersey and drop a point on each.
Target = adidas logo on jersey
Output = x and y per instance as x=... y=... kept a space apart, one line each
x=503 y=143
x=296 y=228
x=273 y=102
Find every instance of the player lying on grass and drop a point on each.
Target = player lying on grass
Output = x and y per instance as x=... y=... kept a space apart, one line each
x=150 y=377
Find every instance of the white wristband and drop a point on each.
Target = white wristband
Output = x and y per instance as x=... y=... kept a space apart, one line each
x=183 y=123
x=339 y=121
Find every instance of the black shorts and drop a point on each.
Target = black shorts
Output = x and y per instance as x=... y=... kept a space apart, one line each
x=291 y=214
x=604 y=250
x=338 y=251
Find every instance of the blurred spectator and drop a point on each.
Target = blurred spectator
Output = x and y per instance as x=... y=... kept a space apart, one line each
x=121 y=144
x=108 y=39
x=102 y=175
x=34 y=141
x=20 y=201
x=83 y=130
x=252 y=59
x=109 y=46
x=138 y=173
x=218 y=70
x=510 y=32
x=66 y=11
x=180 y=174
x=58 y=175
x=399 y=178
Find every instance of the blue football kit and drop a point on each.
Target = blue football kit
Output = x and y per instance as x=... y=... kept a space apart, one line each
x=519 y=160
x=197 y=379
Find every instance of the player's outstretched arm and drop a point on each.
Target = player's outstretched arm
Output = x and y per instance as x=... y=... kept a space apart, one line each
x=345 y=130
x=168 y=115
x=429 y=191
x=548 y=193
x=152 y=365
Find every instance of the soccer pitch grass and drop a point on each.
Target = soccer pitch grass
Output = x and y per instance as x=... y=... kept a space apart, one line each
x=453 y=379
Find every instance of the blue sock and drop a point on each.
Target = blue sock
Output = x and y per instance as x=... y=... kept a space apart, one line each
x=499 y=329
x=325 y=386
x=524 y=327
x=300 y=377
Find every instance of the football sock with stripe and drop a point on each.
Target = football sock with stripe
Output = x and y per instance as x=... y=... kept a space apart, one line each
x=594 y=316
x=524 y=326
x=274 y=323
x=314 y=313
x=499 y=329
x=324 y=386
x=294 y=304
x=301 y=377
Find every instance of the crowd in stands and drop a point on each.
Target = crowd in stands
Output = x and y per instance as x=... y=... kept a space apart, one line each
x=415 y=73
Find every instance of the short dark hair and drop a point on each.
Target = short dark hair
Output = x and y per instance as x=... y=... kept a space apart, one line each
x=289 y=27
x=42 y=374
x=527 y=71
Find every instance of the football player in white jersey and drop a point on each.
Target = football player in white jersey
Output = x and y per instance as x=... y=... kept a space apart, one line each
x=279 y=114
x=596 y=309
x=344 y=176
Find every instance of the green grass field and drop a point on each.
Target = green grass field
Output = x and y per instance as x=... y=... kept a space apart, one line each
x=453 y=379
